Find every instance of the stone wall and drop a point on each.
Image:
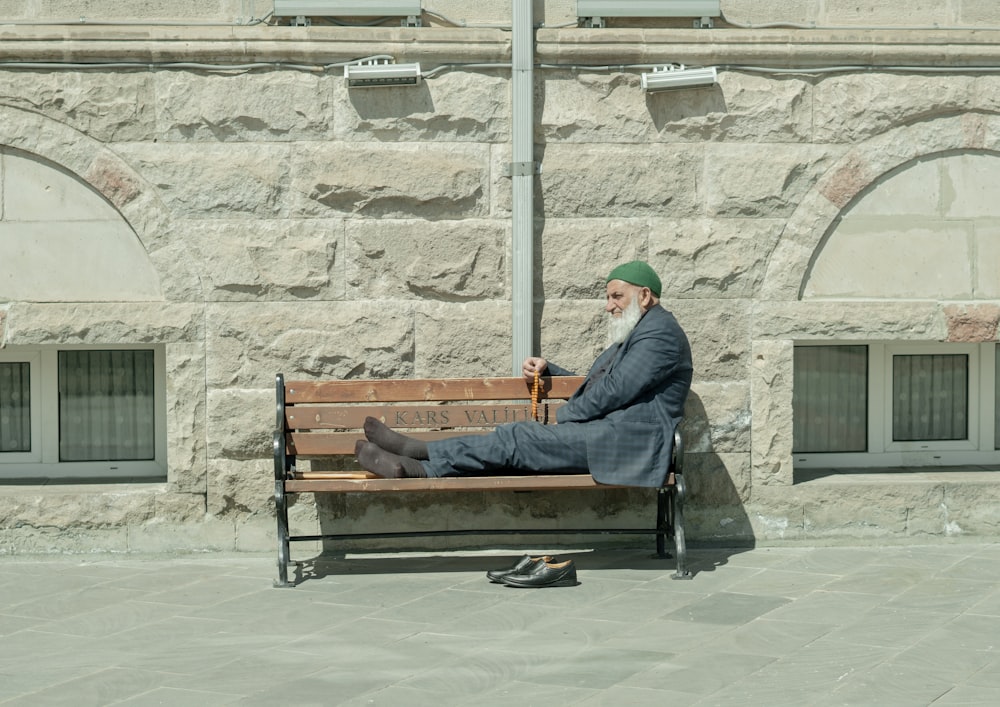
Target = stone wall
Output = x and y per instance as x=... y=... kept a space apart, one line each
x=942 y=13
x=300 y=227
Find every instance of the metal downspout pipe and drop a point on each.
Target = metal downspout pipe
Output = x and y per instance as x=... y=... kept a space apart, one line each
x=522 y=183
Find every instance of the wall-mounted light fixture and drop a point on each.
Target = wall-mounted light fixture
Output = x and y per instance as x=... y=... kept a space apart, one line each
x=591 y=13
x=373 y=74
x=678 y=76
x=301 y=10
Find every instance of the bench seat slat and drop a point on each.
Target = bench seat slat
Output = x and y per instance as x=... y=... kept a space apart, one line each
x=450 y=483
x=319 y=417
x=392 y=391
x=334 y=443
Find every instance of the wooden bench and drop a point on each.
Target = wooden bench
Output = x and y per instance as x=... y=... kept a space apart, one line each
x=321 y=419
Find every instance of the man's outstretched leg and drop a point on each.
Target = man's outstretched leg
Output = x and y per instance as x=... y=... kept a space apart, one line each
x=394 y=442
x=386 y=464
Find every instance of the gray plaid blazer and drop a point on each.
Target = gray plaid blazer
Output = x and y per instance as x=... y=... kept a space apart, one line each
x=631 y=401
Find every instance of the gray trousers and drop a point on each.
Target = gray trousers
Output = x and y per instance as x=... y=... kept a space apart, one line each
x=517 y=447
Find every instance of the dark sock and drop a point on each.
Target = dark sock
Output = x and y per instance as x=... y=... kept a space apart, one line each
x=386 y=464
x=391 y=441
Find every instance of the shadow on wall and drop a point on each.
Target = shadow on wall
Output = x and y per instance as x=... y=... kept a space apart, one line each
x=718 y=482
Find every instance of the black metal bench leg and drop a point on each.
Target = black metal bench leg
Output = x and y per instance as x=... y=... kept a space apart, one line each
x=680 y=545
x=663 y=522
x=281 y=511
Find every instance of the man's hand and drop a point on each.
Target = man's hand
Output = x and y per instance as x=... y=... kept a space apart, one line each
x=533 y=364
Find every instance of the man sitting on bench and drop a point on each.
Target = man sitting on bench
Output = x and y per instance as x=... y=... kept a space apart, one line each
x=618 y=426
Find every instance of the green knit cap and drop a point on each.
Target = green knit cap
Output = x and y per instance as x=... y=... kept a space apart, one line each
x=637 y=273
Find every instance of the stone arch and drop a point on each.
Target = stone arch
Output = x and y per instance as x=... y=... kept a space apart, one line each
x=125 y=191
x=927 y=230
x=860 y=168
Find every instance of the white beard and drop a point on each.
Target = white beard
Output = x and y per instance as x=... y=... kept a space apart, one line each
x=620 y=327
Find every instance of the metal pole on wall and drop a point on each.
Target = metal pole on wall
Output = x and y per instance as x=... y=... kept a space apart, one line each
x=523 y=183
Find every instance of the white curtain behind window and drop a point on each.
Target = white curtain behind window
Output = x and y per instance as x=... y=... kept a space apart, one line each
x=106 y=410
x=930 y=397
x=15 y=407
x=830 y=399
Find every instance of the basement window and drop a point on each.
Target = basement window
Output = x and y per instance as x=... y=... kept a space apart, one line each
x=82 y=413
x=888 y=404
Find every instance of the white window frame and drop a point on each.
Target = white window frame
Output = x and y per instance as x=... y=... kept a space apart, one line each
x=978 y=449
x=34 y=456
x=42 y=462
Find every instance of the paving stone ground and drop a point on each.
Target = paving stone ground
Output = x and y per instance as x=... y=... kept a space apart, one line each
x=900 y=625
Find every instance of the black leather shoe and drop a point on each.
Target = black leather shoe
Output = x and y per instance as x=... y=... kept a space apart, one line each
x=545 y=574
x=523 y=566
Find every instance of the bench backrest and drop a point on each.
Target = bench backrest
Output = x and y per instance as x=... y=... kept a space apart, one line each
x=318 y=418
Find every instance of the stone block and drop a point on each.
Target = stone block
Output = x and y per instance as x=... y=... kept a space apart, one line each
x=759 y=109
x=453 y=341
x=866 y=513
x=850 y=108
x=215 y=180
x=970 y=509
x=719 y=525
x=267 y=259
x=179 y=281
x=972 y=323
x=157 y=536
x=81 y=507
x=217 y=10
x=867 y=507
x=229 y=436
x=452 y=261
x=774 y=522
x=250 y=343
x=762 y=180
x=241 y=488
x=771 y=375
x=397 y=180
x=717 y=417
x=186 y=508
x=914 y=190
x=893 y=257
x=987 y=284
x=37 y=190
x=810 y=321
x=978 y=12
x=712 y=258
x=572 y=334
x=104 y=323
x=719 y=333
x=611 y=108
x=926 y=13
x=967 y=186
x=273 y=106
x=597 y=180
x=304 y=515
x=763 y=12
x=453 y=107
x=30 y=540
x=107 y=105
x=75 y=261
x=185 y=375
x=593 y=106
x=576 y=255
x=716 y=481
x=258 y=533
